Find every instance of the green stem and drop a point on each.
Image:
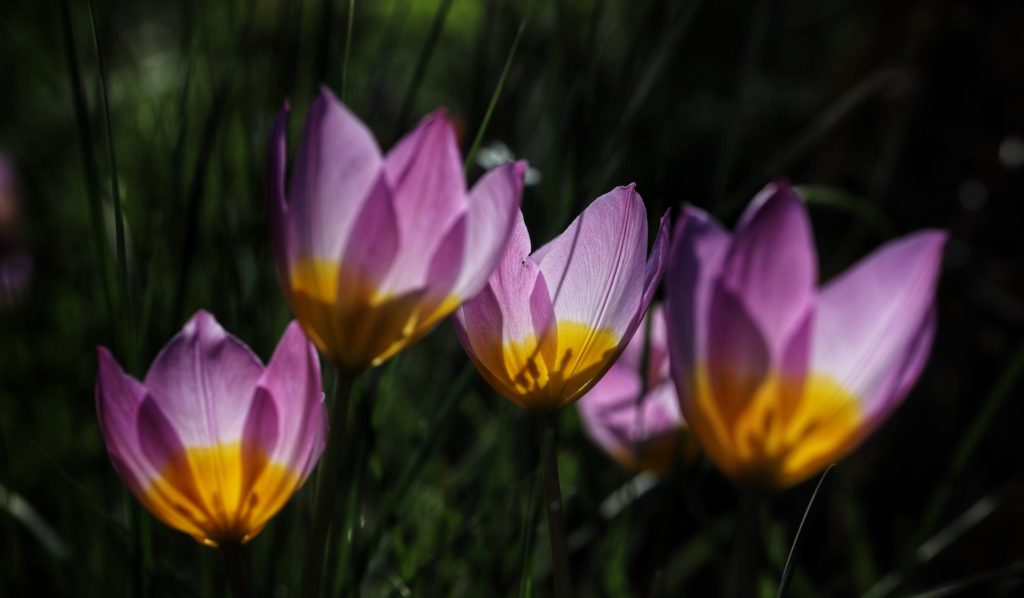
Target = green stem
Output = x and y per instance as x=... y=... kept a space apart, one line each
x=555 y=509
x=326 y=486
x=234 y=570
x=743 y=570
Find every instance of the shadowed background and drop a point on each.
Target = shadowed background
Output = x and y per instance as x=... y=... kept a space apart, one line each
x=138 y=130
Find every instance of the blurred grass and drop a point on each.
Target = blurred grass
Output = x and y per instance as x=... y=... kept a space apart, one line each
x=139 y=133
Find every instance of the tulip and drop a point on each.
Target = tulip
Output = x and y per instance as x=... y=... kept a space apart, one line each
x=212 y=442
x=632 y=413
x=776 y=377
x=374 y=250
x=549 y=324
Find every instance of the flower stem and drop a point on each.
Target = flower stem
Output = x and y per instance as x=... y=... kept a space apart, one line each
x=234 y=569
x=554 y=509
x=326 y=486
x=743 y=571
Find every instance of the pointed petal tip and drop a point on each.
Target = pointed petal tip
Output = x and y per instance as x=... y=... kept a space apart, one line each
x=202 y=319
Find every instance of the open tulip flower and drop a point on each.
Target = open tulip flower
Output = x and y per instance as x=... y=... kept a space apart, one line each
x=632 y=413
x=212 y=442
x=548 y=325
x=777 y=377
x=373 y=250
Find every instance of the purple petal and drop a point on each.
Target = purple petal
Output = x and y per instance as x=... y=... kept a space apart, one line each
x=607 y=406
x=514 y=306
x=874 y=323
x=335 y=170
x=118 y=397
x=446 y=264
x=652 y=274
x=772 y=266
x=203 y=381
x=595 y=270
x=260 y=437
x=738 y=357
x=699 y=246
x=292 y=380
x=425 y=174
x=620 y=421
x=493 y=210
x=371 y=249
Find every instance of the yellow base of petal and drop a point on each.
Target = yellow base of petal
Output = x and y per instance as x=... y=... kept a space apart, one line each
x=361 y=326
x=550 y=373
x=218 y=494
x=775 y=433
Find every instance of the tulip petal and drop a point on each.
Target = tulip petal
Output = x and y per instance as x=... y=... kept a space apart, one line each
x=446 y=265
x=203 y=381
x=261 y=435
x=874 y=323
x=174 y=498
x=604 y=248
x=292 y=379
x=371 y=251
x=652 y=273
x=118 y=397
x=496 y=318
x=738 y=356
x=493 y=212
x=699 y=246
x=772 y=266
x=608 y=408
x=335 y=169
x=425 y=174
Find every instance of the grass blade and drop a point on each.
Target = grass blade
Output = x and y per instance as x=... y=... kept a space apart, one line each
x=471 y=154
x=348 y=48
x=421 y=66
x=787 y=571
x=1007 y=381
x=115 y=193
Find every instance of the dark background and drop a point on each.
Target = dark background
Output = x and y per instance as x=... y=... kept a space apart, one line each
x=891 y=116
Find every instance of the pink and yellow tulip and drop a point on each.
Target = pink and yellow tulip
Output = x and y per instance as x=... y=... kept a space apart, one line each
x=373 y=250
x=549 y=324
x=777 y=377
x=632 y=413
x=212 y=442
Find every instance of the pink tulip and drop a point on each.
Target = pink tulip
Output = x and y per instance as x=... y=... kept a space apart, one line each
x=212 y=442
x=549 y=324
x=776 y=377
x=373 y=250
x=633 y=412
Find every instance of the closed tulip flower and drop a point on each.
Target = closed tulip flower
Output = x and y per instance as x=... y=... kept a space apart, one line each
x=632 y=413
x=549 y=324
x=373 y=250
x=213 y=442
x=778 y=377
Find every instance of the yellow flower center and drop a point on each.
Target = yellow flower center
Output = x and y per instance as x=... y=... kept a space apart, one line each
x=351 y=322
x=219 y=494
x=773 y=432
x=551 y=372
